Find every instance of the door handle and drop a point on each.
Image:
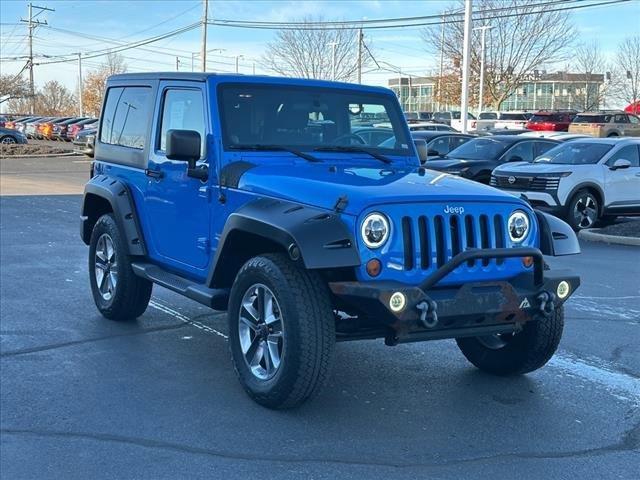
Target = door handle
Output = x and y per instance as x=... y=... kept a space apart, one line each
x=157 y=174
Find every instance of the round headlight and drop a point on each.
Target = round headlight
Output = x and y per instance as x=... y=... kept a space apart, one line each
x=375 y=230
x=518 y=226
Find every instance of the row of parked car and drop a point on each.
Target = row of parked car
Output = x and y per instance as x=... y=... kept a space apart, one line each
x=79 y=130
x=582 y=179
x=602 y=123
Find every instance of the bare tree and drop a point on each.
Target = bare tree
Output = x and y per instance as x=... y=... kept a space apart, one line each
x=516 y=45
x=13 y=87
x=626 y=77
x=52 y=99
x=95 y=83
x=589 y=60
x=322 y=54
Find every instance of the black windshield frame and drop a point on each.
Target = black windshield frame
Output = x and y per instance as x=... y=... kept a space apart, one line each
x=389 y=102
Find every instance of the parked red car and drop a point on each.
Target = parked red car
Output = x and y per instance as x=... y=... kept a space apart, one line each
x=551 y=120
x=74 y=129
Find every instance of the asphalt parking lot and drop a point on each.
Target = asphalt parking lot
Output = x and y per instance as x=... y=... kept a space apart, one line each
x=82 y=397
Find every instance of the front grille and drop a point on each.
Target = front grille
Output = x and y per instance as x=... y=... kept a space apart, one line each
x=430 y=242
x=525 y=183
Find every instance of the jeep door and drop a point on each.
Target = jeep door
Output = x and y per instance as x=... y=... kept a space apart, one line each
x=622 y=186
x=177 y=205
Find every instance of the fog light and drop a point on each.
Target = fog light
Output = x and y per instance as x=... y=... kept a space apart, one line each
x=374 y=267
x=397 y=302
x=527 y=261
x=563 y=289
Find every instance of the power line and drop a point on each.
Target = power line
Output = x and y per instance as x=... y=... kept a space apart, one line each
x=302 y=26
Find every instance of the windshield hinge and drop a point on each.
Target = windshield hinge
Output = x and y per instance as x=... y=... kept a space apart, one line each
x=341 y=204
x=203 y=244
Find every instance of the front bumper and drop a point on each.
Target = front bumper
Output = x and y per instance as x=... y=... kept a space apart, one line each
x=473 y=309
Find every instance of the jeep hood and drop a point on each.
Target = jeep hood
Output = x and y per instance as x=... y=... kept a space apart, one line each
x=322 y=184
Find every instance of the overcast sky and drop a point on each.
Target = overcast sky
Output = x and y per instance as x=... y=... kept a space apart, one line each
x=128 y=21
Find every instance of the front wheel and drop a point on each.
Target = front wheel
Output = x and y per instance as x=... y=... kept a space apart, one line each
x=281 y=331
x=523 y=352
x=583 y=210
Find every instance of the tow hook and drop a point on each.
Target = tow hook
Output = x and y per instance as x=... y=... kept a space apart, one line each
x=546 y=300
x=428 y=313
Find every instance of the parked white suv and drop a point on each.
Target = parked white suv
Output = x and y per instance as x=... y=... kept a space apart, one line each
x=582 y=180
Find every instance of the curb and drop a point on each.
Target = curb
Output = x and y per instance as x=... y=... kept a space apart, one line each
x=593 y=236
x=69 y=154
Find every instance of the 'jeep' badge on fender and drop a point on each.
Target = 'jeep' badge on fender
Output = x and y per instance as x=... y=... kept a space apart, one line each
x=450 y=209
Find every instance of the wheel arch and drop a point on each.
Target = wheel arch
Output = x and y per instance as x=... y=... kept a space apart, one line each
x=312 y=237
x=105 y=194
x=592 y=188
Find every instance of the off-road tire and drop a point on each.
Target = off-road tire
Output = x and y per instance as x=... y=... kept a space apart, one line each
x=132 y=293
x=309 y=331
x=525 y=352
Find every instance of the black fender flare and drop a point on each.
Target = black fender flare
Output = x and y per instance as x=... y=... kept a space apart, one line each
x=122 y=205
x=314 y=237
x=557 y=238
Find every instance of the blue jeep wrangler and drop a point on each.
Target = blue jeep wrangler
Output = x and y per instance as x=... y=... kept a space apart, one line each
x=257 y=196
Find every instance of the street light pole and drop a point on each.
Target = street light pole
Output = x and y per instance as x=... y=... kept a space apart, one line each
x=483 y=29
x=441 y=66
x=238 y=57
x=464 y=103
x=80 y=83
x=333 y=46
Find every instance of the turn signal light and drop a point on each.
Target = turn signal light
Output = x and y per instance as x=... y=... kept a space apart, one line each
x=374 y=267
x=527 y=261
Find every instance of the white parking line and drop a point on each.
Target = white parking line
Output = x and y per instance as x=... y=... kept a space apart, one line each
x=185 y=319
x=619 y=384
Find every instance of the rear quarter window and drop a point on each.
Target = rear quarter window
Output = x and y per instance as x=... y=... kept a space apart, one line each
x=126 y=117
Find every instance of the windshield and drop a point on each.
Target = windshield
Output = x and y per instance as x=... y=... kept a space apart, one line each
x=575 y=153
x=546 y=118
x=480 y=149
x=458 y=116
x=307 y=118
x=512 y=116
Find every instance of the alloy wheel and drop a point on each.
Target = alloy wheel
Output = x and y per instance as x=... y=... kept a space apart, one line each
x=261 y=331
x=106 y=267
x=8 y=140
x=495 y=342
x=585 y=211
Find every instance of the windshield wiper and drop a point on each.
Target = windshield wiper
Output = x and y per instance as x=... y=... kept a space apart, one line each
x=354 y=149
x=266 y=148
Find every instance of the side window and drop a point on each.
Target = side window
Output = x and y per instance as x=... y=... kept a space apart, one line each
x=630 y=152
x=633 y=119
x=521 y=152
x=113 y=97
x=130 y=119
x=183 y=110
x=620 y=118
x=456 y=141
x=439 y=146
x=542 y=147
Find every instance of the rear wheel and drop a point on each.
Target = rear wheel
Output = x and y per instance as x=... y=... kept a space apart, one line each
x=8 y=140
x=118 y=293
x=583 y=210
x=281 y=331
x=523 y=352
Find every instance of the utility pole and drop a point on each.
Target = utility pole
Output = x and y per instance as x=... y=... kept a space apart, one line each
x=483 y=29
x=238 y=57
x=80 y=83
x=203 y=46
x=177 y=64
x=466 y=57
x=333 y=46
x=441 y=65
x=32 y=24
x=360 y=39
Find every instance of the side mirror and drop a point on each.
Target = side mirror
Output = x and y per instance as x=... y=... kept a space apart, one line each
x=184 y=145
x=620 y=163
x=421 y=147
x=515 y=159
x=433 y=153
